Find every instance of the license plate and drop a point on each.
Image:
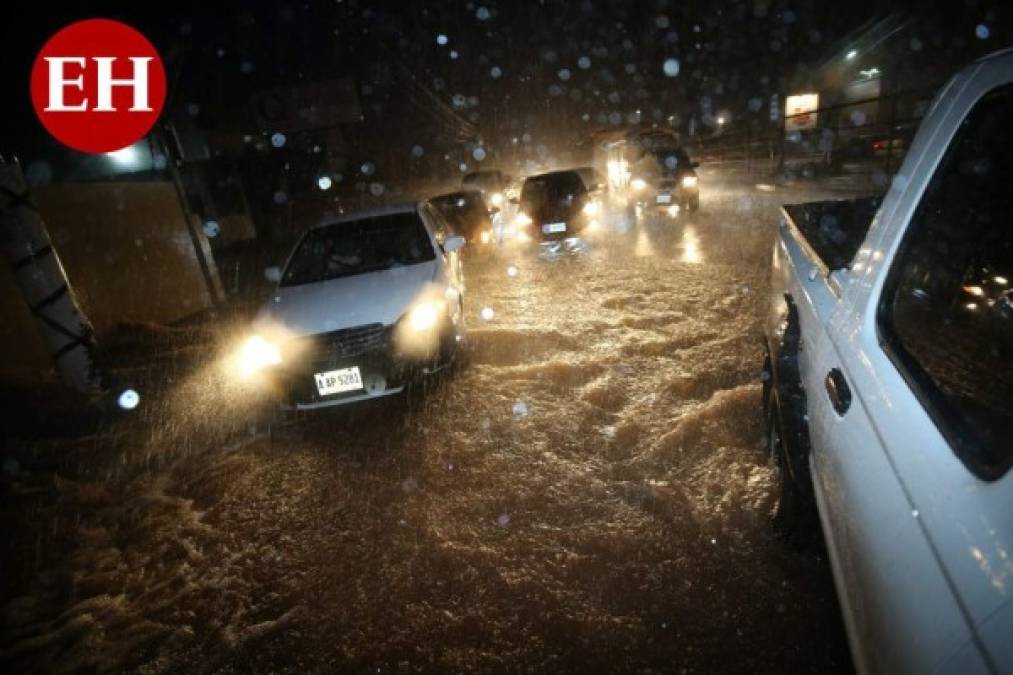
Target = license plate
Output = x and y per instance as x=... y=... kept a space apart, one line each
x=551 y=228
x=337 y=381
x=664 y=199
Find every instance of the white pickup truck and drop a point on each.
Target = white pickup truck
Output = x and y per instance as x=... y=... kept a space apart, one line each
x=889 y=390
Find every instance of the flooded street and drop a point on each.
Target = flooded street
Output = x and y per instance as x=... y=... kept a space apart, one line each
x=589 y=492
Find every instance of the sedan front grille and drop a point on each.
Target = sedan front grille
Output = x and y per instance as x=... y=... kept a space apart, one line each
x=348 y=342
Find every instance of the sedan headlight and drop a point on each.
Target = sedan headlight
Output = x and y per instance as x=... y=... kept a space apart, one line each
x=689 y=181
x=638 y=184
x=497 y=199
x=425 y=315
x=591 y=208
x=256 y=354
x=522 y=220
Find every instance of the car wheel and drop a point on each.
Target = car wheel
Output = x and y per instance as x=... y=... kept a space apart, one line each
x=795 y=519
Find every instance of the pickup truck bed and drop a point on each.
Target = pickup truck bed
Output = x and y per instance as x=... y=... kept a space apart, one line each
x=832 y=231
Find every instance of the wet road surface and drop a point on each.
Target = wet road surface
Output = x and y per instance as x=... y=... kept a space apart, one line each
x=590 y=492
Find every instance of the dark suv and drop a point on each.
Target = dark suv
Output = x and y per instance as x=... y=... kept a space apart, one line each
x=555 y=206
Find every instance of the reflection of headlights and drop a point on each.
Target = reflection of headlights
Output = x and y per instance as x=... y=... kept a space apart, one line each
x=497 y=199
x=522 y=220
x=591 y=208
x=638 y=184
x=257 y=354
x=689 y=181
x=485 y=237
x=424 y=315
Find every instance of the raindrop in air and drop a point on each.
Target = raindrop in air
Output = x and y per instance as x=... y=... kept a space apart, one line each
x=211 y=229
x=128 y=400
x=671 y=67
x=483 y=14
x=487 y=313
x=981 y=31
x=478 y=153
x=376 y=189
x=495 y=72
x=520 y=409
x=564 y=74
x=417 y=151
x=441 y=39
x=324 y=182
x=584 y=63
x=367 y=168
x=511 y=271
x=278 y=139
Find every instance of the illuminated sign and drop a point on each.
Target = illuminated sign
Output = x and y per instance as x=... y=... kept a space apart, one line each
x=800 y=111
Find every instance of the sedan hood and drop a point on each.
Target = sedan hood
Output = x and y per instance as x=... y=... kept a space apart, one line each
x=376 y=297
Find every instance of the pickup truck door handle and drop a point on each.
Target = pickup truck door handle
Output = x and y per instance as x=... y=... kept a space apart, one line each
x=838 y=391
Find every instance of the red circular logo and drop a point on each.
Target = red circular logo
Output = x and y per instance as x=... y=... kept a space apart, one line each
x=98 y=85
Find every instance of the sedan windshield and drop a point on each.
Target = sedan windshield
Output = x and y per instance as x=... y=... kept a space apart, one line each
x=357 y=247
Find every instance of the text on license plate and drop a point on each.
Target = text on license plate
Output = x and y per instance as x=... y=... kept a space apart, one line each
x=664 y=199
x=337 y=381
x=550 y=228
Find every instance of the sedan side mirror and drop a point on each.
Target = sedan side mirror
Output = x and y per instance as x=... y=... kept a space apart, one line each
x=272 y=274
x=454 y=243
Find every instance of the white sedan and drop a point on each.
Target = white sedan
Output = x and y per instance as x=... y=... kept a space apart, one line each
x=363 y=305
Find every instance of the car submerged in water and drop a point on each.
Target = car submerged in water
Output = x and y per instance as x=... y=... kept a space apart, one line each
x=364 y=305
x=556 y=208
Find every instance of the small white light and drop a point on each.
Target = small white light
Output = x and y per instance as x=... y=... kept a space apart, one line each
x=128 y=400
x=638 y=183
x=1002 y=281
x=850 y=55
x=324 y=182
x=689 y=181
x=488 y=313
x=511 y=271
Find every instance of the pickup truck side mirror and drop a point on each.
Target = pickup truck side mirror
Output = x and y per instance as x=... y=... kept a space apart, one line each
x=272 y=274
x=454 y=243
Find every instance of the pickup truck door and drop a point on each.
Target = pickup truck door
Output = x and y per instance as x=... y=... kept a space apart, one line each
x=886 y=481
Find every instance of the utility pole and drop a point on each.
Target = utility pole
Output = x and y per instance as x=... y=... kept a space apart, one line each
x=39 y=274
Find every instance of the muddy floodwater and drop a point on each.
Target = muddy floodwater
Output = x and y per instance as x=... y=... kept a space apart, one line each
x=589 y=492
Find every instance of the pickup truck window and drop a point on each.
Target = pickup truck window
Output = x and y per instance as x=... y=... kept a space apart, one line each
x=946 y=313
